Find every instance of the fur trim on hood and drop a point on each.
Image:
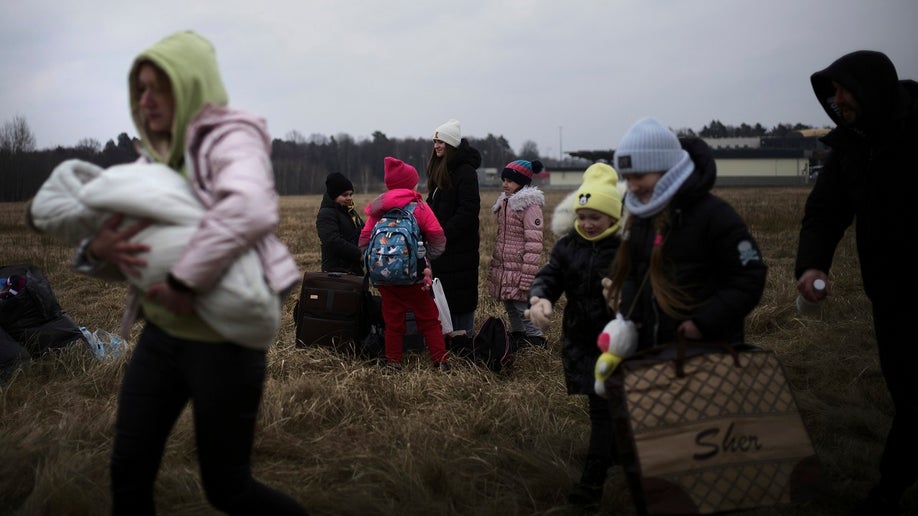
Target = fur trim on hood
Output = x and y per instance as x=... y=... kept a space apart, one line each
x=563 y=218
x=522 y=199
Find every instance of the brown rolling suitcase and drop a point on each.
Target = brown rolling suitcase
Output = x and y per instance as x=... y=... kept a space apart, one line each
x=329 y=309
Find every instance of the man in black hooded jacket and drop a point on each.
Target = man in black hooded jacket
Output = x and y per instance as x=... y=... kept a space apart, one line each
x=870 y=179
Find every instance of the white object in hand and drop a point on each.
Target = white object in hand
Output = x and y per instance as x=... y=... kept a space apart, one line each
x=808 y=307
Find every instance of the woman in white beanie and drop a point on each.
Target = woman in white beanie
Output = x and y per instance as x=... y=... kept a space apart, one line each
x=452 y=192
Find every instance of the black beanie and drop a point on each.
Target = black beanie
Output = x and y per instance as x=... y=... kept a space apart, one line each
x=336 y=184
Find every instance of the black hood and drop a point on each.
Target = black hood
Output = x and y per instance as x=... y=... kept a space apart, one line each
x=871 y=77
x=703 y=177
x=465 y=153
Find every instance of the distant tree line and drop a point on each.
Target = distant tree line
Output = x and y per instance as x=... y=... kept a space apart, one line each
x=23 y=169
x=300 y=163
x=716 y=129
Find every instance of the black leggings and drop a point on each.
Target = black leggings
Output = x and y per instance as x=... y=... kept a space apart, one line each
x=224 y=383
x=602 y=445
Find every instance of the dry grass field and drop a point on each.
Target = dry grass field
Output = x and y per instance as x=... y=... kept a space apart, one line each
x=346 y=440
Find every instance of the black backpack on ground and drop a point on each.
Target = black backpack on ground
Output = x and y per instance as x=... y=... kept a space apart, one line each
x=489 y=347
x=31 y=319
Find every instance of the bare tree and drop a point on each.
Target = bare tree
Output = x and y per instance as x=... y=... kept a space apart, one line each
x=295 y=137
x=529 y=150
x=15 y=136
x=318 y=139
x=89 y=145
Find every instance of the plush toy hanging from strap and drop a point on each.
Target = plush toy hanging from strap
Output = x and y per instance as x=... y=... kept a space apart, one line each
x=617 y=341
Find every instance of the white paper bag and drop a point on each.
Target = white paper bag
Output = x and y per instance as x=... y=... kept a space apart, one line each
x=446 y=322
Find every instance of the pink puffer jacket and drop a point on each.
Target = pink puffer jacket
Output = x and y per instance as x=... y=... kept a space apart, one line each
x=230 y=170
x=517 y=254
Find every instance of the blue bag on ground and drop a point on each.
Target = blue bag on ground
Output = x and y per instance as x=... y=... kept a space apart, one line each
x=103 y=344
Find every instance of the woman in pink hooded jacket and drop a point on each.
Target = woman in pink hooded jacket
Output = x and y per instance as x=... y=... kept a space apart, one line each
x=178 y=104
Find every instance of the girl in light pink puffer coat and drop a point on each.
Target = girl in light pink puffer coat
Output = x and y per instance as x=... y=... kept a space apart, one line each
x=517 y=254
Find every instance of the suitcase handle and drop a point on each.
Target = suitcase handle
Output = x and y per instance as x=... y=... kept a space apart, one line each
x=366 y=277
x=682 y=344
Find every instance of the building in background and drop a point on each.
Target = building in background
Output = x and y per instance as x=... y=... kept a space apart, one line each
x=793 y=159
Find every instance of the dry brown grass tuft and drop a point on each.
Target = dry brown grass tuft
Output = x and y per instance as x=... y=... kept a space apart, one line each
x=345 y=440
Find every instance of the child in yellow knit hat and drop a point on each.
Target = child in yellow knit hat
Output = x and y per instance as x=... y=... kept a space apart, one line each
x=579 y=260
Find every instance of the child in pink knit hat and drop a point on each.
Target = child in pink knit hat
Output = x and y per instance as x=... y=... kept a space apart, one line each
x=401 y=180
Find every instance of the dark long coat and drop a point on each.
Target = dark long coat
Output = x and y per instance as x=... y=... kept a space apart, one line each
x=457 y=210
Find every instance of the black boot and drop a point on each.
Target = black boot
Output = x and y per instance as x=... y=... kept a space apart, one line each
x=517 y=340
x=588 y=492
x=535 y=341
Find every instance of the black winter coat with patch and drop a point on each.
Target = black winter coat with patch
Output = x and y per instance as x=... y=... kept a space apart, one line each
x=576 y=268
x=708 y=252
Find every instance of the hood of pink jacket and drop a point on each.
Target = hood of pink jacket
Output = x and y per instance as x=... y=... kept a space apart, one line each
x=240 y=198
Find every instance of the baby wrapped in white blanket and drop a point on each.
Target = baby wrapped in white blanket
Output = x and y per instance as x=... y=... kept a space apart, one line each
x=79 y=196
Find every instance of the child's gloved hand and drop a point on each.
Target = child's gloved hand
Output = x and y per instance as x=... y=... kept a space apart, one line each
x=427 y=279
x=607 y=292
x=539 y=311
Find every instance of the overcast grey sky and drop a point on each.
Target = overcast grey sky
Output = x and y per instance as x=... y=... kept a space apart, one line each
x=569 y=75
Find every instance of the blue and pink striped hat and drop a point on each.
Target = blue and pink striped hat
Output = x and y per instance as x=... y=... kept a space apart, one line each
x=521 y=171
